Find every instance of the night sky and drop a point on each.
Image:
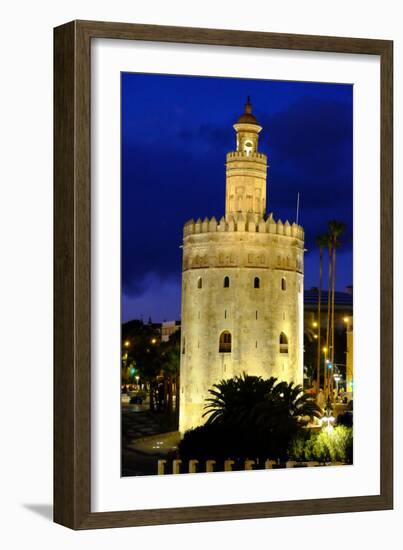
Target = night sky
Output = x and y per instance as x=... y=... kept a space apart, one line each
x=176 y=131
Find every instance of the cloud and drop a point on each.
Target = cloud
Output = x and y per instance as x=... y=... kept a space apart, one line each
x=178 y=172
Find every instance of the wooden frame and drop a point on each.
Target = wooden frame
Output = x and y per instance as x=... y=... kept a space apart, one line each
x=72 y=325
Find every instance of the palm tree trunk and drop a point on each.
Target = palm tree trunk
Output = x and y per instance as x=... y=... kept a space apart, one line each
x=329 y=284
x=333 y=289
x=319 y=321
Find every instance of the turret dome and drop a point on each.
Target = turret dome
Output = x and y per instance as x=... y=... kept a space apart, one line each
x=247 y=117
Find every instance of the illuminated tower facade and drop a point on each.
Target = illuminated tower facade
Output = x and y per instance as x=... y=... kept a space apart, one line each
x=242 y=285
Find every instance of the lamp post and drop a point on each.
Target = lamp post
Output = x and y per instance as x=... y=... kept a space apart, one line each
x=325 y=370
x=328 y=418
x=337 y=379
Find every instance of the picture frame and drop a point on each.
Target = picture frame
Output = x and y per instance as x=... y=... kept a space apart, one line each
x=72 y=274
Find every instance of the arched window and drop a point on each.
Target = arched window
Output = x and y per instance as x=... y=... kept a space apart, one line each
x=256 y=282
x=226 y=282
x=283 y=343
x=225 y=342
x=283 y=284
x=199 y=283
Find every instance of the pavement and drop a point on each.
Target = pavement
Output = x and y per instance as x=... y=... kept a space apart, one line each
x=146 y=437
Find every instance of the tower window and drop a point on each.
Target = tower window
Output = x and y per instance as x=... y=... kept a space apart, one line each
x=183 y=346
x=248 y=147
x=256 y=283
x=225 y=342
x=256 y=314
x=226 y=282
x=199 y=283
x=283 y=343
x=283 y=284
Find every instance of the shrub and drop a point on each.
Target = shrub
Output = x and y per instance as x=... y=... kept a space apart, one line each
x=345 y=419
x=324 y=446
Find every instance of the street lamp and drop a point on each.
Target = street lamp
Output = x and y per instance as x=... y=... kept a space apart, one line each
x=328 y=418
x=337 y=379
x=127 y=344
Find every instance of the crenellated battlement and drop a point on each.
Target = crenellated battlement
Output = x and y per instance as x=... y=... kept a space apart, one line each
x=242 y=155
x=251 y=223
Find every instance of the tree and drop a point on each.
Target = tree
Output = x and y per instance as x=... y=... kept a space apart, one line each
x=322 y=242
x=336 y=228
x=233 y=400
x=327 y=376
x=139 y=346
x=170 y=363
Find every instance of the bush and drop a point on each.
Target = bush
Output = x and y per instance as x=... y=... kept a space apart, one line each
x=345 y=419
x=324 y=446
x=221 y=441
x=298 y=447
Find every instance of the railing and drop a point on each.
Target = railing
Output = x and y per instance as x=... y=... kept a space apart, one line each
x=195 y=466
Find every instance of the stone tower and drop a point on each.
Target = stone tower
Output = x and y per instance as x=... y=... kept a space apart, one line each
x=242 y=285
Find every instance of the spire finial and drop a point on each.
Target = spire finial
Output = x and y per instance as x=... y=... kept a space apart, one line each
x=248 y=105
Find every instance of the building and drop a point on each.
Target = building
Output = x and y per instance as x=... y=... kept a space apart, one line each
x=168 y=328
x=242 y=285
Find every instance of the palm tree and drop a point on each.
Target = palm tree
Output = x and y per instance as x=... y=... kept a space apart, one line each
x=322 y=242
x=251 y=416
x=233 y=399
x=329 y=311
x=252 y=401
x=336 y=228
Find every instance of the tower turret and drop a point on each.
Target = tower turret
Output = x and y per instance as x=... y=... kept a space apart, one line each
x=246 y=168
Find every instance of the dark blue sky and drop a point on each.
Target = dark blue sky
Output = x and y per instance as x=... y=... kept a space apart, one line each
x=176 y=131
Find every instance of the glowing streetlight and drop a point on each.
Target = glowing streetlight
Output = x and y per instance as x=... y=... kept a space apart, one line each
x=314 y=324
x=315 y=336
x=337 y=379
x=345 y=319
x=127 y=343
x=153 y=340
x=328 y=418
